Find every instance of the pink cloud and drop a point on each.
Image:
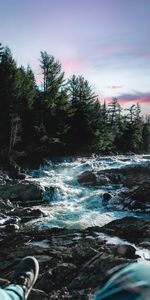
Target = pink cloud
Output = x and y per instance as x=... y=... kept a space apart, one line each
x=143 y=98
x=110 y=49
x=115 y=87
x=72 y=65
x=146 y=54
x=106 y=50
x=106 y=99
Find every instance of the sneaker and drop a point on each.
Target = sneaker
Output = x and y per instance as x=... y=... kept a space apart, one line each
x=26 y=274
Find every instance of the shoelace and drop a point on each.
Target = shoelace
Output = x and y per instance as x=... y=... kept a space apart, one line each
x=24 y=280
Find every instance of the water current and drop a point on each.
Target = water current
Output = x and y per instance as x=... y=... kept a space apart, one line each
x=69 y=204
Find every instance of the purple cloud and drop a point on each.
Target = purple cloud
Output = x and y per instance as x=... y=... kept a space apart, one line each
x=143 y=98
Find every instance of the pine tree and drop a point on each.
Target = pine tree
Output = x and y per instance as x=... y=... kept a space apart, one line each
x=146 y=134
x=8 y=71
x=83 y=101
x=54 y=103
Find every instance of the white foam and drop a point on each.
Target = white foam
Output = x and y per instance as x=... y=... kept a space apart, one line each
x=73 y=205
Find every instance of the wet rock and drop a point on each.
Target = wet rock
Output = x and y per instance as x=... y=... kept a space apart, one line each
x=28 y=213
x=87 y=177
x=102 y=179
x=38 y=295
x=53 y=193
x=63 y=273
x=140 y=196
x=93 y=273
x=126 y=251
x=2 y=216
x=130 y=175
x=6 y=205
x=4 y=177
x=22 y=191
x=9 y=220
x=4 y=282
x=73 y=263
x=106 y=198
x=62 y=264
x=136 y=199
x=46 y=283
x=82 y=254
x=11 y=228
x=21 y=176
x=130 y=228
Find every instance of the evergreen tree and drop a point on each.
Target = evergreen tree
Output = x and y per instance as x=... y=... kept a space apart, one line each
x=54 y=103
x=26 y=93
x=62 y=117
x=114 y=111
x=146 y=134
x=132 y=135
x=8 y=71
x=83 y=101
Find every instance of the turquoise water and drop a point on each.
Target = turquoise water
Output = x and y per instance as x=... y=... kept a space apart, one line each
x=71 y=205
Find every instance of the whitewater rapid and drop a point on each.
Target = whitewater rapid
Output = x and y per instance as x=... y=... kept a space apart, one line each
x=69 y=204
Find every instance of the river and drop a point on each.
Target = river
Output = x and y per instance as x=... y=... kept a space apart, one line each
x=69 y=204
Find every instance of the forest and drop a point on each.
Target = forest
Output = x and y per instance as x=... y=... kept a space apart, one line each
x=64 y=116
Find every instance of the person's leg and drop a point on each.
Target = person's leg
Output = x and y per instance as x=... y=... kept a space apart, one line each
x=23 y=280
x=12 y=292
x=131 y=282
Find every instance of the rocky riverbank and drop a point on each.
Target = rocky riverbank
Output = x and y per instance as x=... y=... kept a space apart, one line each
x=73 y=263
x=134 y=185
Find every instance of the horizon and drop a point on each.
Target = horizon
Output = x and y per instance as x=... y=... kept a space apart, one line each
x=105 y=41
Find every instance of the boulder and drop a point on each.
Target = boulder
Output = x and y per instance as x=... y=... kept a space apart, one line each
x=126 y=251
x=102 y=179
x=129 y=176
x=135 y=199
x=106 y=198
x=87 y=177
x=21 y=190
x=130 y=228
x=28 y=213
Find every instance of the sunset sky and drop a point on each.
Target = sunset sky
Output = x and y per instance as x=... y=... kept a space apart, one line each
x=106 y=41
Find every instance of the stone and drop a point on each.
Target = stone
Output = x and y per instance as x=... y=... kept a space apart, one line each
x=11 y=228
x=23 y=191
x=28 y=213
x=102 y=179
x=6 y=205
x=4 y=283
x=135 y=199
x=87 y=177
x=129 y=175
x=71 y=268
x=130 y=228
x=38 y=295
x=126 y=251
x=106 y=198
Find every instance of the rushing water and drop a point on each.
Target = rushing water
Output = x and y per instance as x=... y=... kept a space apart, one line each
x=70 y=204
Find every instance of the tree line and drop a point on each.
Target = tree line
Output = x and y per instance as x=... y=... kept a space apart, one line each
x=64 y=116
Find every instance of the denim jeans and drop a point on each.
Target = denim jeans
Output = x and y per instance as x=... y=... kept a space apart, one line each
x=128 y=283
x=12 y=292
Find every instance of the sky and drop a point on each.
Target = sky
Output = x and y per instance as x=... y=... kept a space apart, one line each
x=106 y=41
